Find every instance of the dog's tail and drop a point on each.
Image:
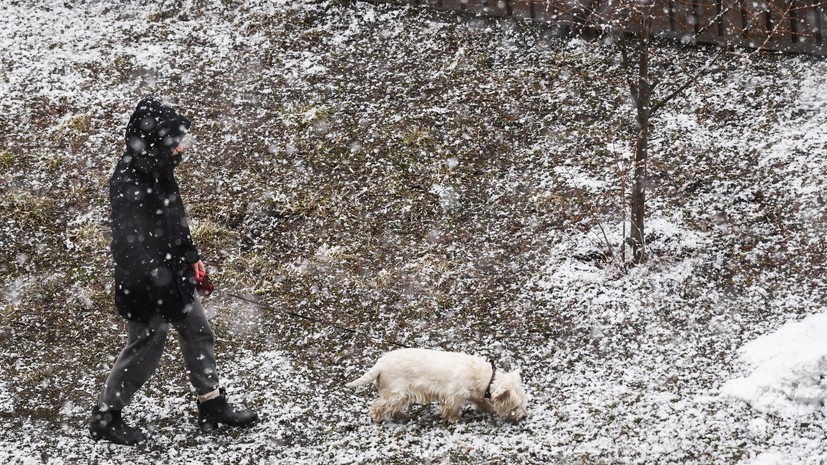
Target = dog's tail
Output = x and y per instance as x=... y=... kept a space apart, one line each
x=367 y=378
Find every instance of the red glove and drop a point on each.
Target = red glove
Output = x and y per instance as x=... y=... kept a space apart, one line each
x=203 y=285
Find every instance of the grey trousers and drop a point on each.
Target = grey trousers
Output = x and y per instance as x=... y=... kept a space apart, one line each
x=143 y=351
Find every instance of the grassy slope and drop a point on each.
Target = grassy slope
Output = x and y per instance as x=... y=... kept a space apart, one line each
x=429 y=178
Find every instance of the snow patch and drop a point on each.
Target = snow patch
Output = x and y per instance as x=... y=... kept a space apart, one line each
x=788 y=369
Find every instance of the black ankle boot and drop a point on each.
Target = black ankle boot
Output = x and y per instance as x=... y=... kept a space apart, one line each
x=215 y=411
x=110 y=426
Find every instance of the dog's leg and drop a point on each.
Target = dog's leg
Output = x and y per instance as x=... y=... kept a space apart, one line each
x=396 y=405
x=389 y=404
x=379 y=410
x=449 y=408
x=483 y=406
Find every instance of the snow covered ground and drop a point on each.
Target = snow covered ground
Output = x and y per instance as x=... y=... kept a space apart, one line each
x=436 y=179
x=788 y=376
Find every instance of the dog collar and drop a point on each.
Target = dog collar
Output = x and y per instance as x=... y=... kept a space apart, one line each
x=488 y=389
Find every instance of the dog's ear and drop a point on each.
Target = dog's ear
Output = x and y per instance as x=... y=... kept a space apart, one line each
x=501 y=394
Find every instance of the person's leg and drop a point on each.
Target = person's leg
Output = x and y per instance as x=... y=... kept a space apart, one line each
x=197 y=346
x=135 y=364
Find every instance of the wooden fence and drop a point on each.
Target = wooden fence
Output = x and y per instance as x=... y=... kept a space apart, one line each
x=782 y=25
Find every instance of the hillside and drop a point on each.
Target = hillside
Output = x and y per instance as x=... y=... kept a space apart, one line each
x=433 y=179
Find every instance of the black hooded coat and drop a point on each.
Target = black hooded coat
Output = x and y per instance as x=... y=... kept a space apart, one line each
x=151 y=242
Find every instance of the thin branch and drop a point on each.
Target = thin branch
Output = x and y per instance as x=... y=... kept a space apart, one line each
x=778 y=23
x=689 y=82
x=627 y=65
x=609 y=250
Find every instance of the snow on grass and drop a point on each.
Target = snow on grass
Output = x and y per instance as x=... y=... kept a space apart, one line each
x=426 y=178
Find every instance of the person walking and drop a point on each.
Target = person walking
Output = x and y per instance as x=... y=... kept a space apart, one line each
x=156 y=269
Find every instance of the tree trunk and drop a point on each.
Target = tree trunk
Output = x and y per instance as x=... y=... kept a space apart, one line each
x=643 y=104
x=639 y=196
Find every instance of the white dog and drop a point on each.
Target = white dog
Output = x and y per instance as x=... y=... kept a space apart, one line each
x=420 y=376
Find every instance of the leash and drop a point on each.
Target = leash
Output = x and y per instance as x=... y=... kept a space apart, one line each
x=347 y=330
x=317 y=320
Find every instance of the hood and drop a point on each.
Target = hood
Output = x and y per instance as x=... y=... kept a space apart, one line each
x=153 y=132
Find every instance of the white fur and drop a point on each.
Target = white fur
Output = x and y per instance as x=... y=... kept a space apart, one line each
x=420 y=376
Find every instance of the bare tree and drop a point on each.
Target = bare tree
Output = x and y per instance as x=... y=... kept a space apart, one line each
x=653 y=85
x=636 y=52
x=656 y=79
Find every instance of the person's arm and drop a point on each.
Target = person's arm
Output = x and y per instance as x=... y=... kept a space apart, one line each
x=188 y=249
